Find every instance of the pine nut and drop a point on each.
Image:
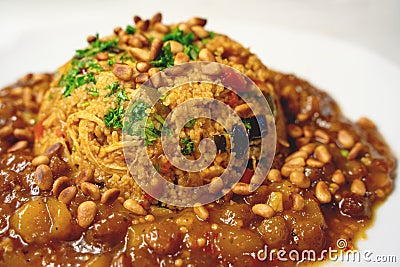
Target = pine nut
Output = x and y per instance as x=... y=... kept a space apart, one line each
x=122 y=71
x=196 y=21
x=161 y=28
x=201 y=212
x=294 y=131
x=297 y=202
x=90 y=190
x=355 y=151
x=140 y=54
x=153 y=71
x=366 y=123
x=338 y=177
x=85 y=175
x=181 y=58
x=18 y=146
x=143 y=25
x=53 y=150
x=133 y=206
x=296 y=162
x=244 y=111
x=274 y=175
x=199 y=31
x=206 y=55
x=313 y=163
x=309 y=148
x=241 y=189
x=43 y=177
x=176 y=47
x=333 y=188
x=263 y=210
x=6 y=131
x=142 y=66
x=299 y=179
x=39 y=160
x=23 y=134
x=308 y=132
x=288 y=169
x=67 y=195
x=297 y=154
x=156 y=18
x=86 y=213
x=110 y=196
x=321 y=136
x=322 y=192
x=142 y=78
x=60 y=184
x=302 y=141
x=358 y=187
x=345 y=139
x=155 y=48
x=184 y=27
x=216 y=185
x=322 y=154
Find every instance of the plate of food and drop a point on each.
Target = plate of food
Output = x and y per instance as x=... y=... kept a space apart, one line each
x=75 y=189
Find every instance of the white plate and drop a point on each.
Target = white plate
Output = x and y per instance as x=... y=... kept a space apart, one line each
x=362 y=83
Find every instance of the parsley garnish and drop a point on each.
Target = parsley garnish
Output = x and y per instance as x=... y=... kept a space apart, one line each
x=187 y=40
x=113 y=118
x=79 y=74
x=165 y=59
x=138 y=124
x=130 y=29
x=125 y=57
x=92 y=91
x=96 y=47
x=246 y=123
x=190 y=123
x=188 y=146
x=344 y=152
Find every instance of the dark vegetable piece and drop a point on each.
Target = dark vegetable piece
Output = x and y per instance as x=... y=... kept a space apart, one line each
x=255 y=130
x=220 y=142
x=240 y=141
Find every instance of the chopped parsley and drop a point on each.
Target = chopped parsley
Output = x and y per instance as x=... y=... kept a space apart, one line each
x=96 y=47
x=92 y=91
x=246 y=123
x=113 y=119
x=165 y=59
x=125 y=57
x=188 y=146
x=190 y=123
x=344 y=152
x=130 y=29
x=81 y=72
x=187 y=40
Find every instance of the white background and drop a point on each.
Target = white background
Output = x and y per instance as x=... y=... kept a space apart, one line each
x=349 y=48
